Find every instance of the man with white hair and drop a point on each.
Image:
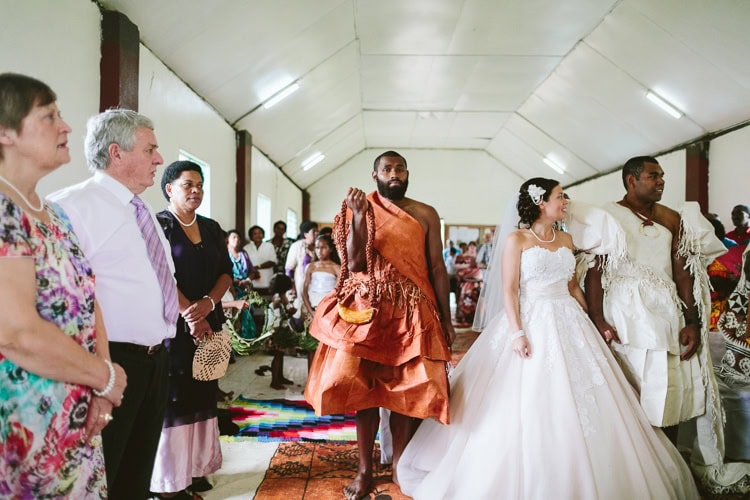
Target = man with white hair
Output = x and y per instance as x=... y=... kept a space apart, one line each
x=135 y=285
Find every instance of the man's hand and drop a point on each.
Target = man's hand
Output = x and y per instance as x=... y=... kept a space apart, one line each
x=450 y=333
x=607 y=331
x=690 y=337
x=356 y=200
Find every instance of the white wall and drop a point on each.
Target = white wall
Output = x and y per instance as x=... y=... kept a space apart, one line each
x=184 y=121
x=729 y=174
x=609 y=187
x=465 y=187
x=58 y=43
x=268 y=180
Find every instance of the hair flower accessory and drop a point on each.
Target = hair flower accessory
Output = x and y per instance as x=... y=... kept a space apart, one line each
x=536 y=193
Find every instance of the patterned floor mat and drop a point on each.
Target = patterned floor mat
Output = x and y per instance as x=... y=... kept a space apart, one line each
x=289 y=420
x=321 y=470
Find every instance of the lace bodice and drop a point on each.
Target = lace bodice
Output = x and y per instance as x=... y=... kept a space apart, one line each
x=546 y=271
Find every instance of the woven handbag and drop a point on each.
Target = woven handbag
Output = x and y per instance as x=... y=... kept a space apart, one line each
x=211 y=357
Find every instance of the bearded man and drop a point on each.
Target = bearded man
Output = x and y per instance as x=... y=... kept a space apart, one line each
x=396 y=360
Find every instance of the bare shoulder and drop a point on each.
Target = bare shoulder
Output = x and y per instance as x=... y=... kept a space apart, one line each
x=566 y=239
x=424 y=213
x=667 y=217
x=517 y=239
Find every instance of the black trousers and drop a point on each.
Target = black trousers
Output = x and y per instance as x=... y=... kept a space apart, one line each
x=132 y=437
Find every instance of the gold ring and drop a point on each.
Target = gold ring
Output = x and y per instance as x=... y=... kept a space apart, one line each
x=107 y=417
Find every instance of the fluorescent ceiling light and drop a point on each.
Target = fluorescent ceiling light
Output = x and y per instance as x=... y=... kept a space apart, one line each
x=664 y=105
x=283 y=94
x=553 y=165
x=313 y=160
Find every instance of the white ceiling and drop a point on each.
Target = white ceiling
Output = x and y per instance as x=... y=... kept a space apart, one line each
x=519 y=79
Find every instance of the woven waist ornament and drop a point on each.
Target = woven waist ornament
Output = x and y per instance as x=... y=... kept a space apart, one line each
x=357 y=300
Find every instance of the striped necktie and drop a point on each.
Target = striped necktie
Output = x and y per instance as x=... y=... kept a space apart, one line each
x=158 y=259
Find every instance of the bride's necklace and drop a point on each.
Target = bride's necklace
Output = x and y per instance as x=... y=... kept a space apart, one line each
x=554 y=235
x=25 y=200
x=195 y=217
x=645 y=221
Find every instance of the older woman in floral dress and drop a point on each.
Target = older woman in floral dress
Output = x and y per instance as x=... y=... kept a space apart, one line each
x=57 y=385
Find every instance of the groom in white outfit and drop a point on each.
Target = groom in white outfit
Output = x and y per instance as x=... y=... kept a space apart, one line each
x=650 y=307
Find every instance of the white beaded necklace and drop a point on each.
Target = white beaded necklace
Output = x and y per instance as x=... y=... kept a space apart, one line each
x=554 y=235
x=195 y=218
x=25 y=200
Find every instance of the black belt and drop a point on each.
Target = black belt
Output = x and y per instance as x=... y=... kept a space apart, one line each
x=148 y=350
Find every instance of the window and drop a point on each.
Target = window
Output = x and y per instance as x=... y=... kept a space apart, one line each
x=205 y=208
x=263 y=218
x=292 y=223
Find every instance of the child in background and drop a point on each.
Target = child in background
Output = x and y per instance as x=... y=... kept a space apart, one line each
x=320 y=275
x=285 y=329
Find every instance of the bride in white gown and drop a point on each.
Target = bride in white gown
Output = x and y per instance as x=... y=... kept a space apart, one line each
x=539 y=407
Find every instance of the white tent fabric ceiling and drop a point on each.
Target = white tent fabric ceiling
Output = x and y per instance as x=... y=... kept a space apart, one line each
x=519 y=79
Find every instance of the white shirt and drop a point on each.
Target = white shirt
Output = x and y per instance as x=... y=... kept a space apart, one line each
x=127 y=287
x=294 y=260
x=259 y=255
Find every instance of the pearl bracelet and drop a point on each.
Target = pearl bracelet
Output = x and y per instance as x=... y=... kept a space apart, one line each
x=517 y=335
x=111 y=382
x=213 y=304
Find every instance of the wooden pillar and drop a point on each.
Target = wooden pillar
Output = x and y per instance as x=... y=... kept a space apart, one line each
x=119 y=63
x=696 y=174
x=305 y=205
x=243 y=171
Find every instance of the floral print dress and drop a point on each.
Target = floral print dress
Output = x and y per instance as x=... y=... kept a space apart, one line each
x=42 y=450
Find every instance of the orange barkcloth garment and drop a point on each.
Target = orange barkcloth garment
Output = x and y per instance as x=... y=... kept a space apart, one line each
x=398 y=360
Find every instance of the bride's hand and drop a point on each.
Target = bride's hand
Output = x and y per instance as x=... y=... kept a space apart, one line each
x=522 y=347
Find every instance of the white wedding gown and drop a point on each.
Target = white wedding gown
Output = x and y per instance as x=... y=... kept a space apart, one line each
x=562 y=424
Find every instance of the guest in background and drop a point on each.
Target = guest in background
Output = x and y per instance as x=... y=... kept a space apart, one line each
x=189 y=444
x=263 y=257
x=484 y=254
x=450 y=268
x=719 y=230
x=134 y=285
x=741 y=221
x=58 y=385
x=301 y=253
x=279 y=320
x=281 y=244
x=321 y=275
x=448 y=245
x=469 y=278
x=724 y=272
x=243 y=273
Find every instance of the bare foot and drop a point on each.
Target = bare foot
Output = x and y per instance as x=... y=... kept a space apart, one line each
x=359 y=488
x=286 y=381
x=277 y=386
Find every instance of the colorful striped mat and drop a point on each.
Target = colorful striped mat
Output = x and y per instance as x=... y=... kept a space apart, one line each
x=289 y=420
